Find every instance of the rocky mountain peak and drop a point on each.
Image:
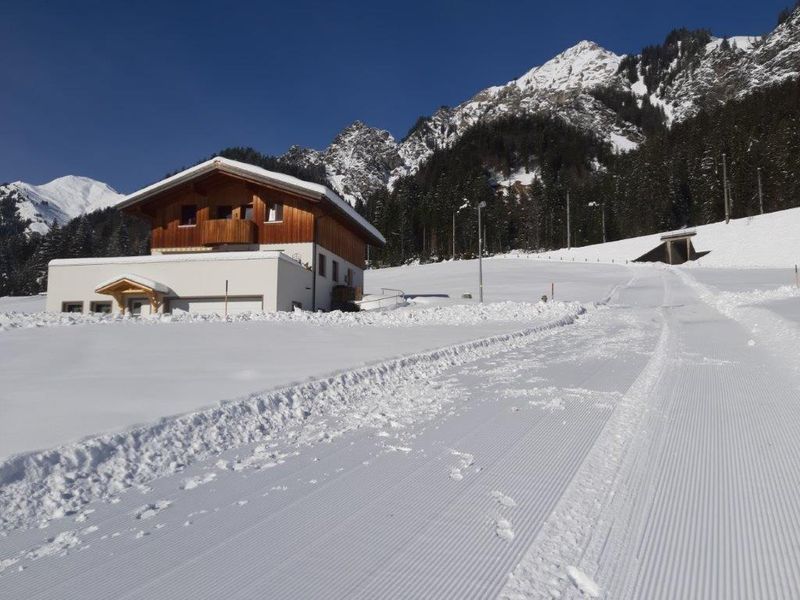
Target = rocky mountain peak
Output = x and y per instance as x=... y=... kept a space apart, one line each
x=690 y=71
x=60 y=200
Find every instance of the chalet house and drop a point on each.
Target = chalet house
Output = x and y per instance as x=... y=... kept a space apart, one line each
x=226 y=237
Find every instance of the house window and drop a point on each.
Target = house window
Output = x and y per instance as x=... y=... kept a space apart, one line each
x=321 y=262
x=335 y=270
x=72 y=307
x=349 y=277
x=275 y=213
x=188 y=215
x=100 y=307
x=246 y=212
x=225 y=212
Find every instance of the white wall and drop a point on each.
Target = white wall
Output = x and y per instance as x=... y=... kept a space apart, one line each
x=187 y=275
x=324 y=284
x=193 y=275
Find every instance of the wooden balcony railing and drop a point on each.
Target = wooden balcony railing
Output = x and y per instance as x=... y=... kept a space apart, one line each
x=227 y=231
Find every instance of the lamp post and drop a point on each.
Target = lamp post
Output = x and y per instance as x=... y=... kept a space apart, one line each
x=481 y=205
x=725 y=189
x=458 y=210
x=602 y=207
x=569 y=234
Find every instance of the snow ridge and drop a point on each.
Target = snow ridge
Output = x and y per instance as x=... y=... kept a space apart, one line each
x=460 y=314
x=97 y=468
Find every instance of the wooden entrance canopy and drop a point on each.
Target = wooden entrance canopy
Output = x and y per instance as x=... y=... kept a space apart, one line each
x=128 y=285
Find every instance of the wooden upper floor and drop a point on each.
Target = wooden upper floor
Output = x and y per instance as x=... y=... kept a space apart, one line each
x=238 y=204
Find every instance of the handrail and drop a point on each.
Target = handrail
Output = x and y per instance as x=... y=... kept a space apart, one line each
x=401 y=292
x=398 y=297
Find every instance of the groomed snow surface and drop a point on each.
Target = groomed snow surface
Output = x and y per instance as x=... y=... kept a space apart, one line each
x=769 y=240
x=637 y=438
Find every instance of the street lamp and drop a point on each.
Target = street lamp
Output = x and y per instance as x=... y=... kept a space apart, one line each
x=458 y=210
x=602 y=207
x=481 y=205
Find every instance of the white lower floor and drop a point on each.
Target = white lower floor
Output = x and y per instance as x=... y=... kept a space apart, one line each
x=208 y=282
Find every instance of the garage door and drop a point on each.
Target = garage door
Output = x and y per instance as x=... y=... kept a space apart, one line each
x=236 y=305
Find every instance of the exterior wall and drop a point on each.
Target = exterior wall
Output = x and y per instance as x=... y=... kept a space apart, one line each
x=165 y=212
x=333 y=235
x=325 y=285
x=248 y=274
x=297 y=226
x=294 y=286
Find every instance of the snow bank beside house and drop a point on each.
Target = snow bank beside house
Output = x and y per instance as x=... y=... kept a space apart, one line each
x=769 y=240
x=448 y=314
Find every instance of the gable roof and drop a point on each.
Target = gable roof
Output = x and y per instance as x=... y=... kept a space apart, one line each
x=281 y=181
x=144 y=282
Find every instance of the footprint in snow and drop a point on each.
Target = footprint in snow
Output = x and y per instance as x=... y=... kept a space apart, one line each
x=151 y=510
x=583 y=582
x=506 y=501
x=502 y=527
x=198 y=480
x=466 y=460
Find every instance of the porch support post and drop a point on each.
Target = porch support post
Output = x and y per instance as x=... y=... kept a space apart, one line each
x=120 y=299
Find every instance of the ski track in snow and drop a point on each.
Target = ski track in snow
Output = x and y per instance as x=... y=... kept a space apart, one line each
x=690 y=490
x=645 y=451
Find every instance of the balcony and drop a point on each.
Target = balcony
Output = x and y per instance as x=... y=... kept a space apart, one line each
x=227 y=231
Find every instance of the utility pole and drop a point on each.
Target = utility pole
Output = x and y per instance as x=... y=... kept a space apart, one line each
x=569 y=238
x=480 y=252
x=603 y=218
x=454 y=236
x=725 y=189
x=760 y=193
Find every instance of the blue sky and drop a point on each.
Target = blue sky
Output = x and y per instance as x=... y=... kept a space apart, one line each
x=127 y=91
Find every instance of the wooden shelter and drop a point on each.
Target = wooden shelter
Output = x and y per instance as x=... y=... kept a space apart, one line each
x=676 y=248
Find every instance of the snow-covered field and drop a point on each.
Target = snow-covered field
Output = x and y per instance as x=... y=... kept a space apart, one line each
x=769 y=240
x=637 y=438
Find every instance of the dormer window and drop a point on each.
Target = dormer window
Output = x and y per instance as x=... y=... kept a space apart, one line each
x=275 y=212
x=188 y=215
x=246 y=212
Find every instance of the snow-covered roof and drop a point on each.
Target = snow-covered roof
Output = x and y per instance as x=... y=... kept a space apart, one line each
x=138 y=279
x=177 y=257
x=273 y=178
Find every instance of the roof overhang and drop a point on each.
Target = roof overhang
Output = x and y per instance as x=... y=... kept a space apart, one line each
x=311 y=191
x=129 y=283
x=678 y=235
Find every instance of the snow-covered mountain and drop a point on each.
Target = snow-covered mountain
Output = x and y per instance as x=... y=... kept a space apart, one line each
x=689 y=72
x=59 y=200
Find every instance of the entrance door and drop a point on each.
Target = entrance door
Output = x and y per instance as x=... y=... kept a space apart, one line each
x=138 y=306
